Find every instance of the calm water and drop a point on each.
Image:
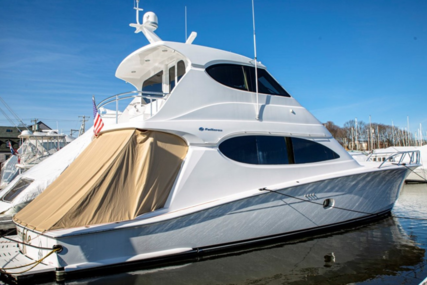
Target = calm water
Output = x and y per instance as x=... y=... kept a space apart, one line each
x=391 y=251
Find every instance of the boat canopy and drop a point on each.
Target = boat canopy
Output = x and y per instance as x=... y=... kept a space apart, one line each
x=120 y=175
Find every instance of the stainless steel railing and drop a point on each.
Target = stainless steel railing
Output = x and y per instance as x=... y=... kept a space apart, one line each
x=410 y=157
x=149 y=95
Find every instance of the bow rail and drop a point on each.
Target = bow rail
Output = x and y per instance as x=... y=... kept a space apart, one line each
x=410 y=157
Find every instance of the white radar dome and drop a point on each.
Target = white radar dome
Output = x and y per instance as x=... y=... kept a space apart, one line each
x=26 y=133
x=150 y=21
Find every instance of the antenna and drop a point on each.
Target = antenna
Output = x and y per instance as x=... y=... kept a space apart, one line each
x=83 y=125
x=136 y=7
x=148 y=26
x=189 y=40
x=256 y=66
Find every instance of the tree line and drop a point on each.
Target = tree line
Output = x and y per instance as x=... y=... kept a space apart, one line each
x=358 y=135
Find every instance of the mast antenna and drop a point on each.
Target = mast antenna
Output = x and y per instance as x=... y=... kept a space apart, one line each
x=186 y=23
x=256 y=65
x=136 y=7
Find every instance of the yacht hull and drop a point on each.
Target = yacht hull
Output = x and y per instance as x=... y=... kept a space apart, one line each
x=288 y=211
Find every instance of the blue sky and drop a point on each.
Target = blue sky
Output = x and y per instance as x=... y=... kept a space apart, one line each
x=340 y=59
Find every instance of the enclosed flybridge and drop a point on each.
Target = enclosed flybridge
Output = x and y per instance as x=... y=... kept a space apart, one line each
x=199 y=160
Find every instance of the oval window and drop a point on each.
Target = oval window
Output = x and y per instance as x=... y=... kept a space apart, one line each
x=274 y=150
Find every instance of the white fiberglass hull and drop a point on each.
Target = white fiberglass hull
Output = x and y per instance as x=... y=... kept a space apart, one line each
x=269 y=214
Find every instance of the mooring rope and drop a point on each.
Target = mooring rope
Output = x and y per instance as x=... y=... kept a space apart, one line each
x=27 y=244
x=425 y=180
x=34 y=264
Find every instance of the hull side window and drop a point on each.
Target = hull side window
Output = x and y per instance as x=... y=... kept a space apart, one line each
x=275 y=150
x=308 y=151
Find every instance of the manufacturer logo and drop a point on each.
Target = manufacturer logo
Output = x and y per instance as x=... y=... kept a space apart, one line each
x=209 y=129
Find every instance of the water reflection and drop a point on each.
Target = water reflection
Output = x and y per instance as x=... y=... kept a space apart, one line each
x=391 y=251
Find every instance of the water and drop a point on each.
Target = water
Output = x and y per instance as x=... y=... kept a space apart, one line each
x=390 y=251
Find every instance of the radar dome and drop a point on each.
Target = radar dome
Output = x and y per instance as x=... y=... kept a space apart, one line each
x=150 y=21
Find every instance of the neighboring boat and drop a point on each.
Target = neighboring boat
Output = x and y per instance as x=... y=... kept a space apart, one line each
x=378 y=156
x=35 y=147
x=9 y=170
x=195 y=163
x=28 y=185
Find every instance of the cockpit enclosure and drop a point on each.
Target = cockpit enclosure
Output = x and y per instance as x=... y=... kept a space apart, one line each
x=122 y=174
x=156 y=71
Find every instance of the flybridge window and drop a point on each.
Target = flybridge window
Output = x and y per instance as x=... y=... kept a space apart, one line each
x=274 y=150
x=179 y=70
x=243 y=78
x=154 y=83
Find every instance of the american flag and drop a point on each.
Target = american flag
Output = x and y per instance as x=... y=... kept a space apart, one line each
x=98 y=124
x=12 y=150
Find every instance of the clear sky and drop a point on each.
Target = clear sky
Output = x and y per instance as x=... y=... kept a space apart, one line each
x=341 y=59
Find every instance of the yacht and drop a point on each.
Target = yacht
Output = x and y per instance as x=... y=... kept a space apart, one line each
x=35 y=147
x=211 y=153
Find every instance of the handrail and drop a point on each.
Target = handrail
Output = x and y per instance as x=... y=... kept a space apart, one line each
x=151 y=95
x=413 y=155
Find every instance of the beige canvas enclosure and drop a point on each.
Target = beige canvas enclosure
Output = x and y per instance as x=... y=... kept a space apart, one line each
x=121 y=175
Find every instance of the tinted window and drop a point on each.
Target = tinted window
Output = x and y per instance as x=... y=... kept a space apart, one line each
x=171 y=78
x=154 y=83
x=266 y=83
x=241 y=149
x=308 y=151
x=230 y=75
x=17 y=189
x=275 y=150
x=256 y=149
x=243 y=78
x=181 y=69
x=271 y=150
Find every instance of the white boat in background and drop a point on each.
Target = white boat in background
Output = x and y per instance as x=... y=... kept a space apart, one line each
x=35 y=147
x=378 y=156
x=197 y=161
x=9 y=170
x=28 y=185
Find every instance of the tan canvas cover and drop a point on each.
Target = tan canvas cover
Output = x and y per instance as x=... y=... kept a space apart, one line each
x=121 y=175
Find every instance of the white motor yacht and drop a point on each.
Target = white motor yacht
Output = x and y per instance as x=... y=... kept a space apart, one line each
x=35 y=147
x=198 y=161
